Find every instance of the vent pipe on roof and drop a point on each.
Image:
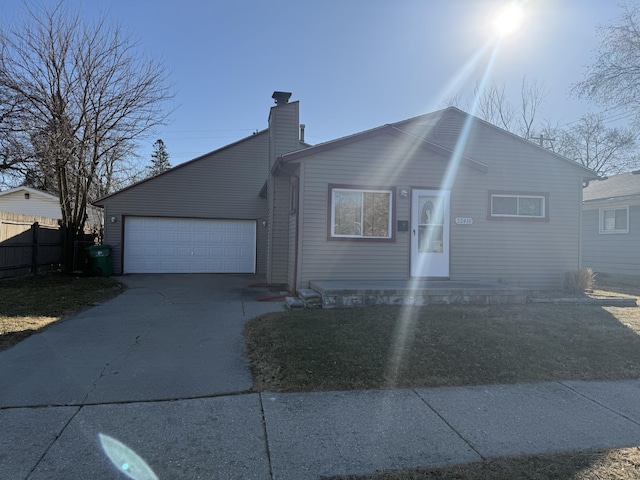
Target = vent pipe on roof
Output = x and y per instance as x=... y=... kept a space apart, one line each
x=281 y=97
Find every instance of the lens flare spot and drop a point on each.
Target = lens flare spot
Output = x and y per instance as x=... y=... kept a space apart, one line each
x=125 y=459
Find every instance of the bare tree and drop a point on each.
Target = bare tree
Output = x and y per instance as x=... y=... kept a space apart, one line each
x=614 y=76
x=14 y=156
x=606 y=150
x=532 y=95
x=491 y=104
x=85 y=94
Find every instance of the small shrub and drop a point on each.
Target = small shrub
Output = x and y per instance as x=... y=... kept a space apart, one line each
x=579 y=281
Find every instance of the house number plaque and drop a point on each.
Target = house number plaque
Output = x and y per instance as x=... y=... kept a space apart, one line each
x=464 y=221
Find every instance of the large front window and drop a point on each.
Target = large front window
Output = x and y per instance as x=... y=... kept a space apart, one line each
x=361 y=213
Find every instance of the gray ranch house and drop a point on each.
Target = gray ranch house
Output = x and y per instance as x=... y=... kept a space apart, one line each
x=440 y=196
x=611 y=226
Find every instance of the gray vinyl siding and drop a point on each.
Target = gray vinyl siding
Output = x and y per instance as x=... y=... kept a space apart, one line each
x=279 y=232
x=224 y=184
x=614 y=253
x=284 y=124
x=520 y=251
x=534 y=254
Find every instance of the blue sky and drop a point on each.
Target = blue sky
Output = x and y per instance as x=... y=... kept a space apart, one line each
x=352 y=64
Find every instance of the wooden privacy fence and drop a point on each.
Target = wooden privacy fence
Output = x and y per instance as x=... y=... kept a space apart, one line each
x=28 y=244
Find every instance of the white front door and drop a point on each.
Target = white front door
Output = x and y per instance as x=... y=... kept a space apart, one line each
x=430 y=233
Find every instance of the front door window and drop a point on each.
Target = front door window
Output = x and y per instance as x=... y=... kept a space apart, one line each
x=431 y=226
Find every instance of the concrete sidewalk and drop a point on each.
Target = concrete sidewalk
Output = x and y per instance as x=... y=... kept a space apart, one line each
x=311 y=435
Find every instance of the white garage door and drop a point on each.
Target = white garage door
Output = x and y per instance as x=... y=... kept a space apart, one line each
x=181 y=245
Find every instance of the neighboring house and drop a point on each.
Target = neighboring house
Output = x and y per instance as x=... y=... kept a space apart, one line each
x=443 y=195
x=611 y=225
x=29 y=201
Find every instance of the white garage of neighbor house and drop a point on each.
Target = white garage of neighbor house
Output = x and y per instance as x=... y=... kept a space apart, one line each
x=189 y=245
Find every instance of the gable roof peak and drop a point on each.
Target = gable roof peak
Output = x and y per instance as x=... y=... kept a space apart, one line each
x=32 y=190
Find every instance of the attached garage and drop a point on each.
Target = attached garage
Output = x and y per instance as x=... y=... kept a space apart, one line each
x=188 y=245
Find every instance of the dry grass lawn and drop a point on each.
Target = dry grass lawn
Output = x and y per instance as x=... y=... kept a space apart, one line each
x=382 y=347
x=31 y=303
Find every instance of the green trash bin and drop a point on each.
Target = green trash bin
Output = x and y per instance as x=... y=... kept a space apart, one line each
x=100 y=259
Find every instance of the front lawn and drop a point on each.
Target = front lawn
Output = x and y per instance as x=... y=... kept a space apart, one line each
x=390 y=346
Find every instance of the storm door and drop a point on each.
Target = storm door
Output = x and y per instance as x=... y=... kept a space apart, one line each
x=430 y=233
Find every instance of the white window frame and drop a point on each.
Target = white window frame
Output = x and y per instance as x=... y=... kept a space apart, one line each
x=518 y=197
x=602 y=211
x=334 y=190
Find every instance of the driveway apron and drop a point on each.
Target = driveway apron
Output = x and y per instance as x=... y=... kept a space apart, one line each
x=166 y=337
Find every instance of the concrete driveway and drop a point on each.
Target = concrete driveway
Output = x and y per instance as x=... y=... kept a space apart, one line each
x=167 y=337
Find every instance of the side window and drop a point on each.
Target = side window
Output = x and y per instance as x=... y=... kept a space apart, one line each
x=614 y=220
x=508 y=205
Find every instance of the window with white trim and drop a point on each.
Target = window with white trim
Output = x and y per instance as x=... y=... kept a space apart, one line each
x=614 y=220
x=361 y=213
x=518 y=206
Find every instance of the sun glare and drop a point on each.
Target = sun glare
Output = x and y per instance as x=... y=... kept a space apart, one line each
x=509 y=19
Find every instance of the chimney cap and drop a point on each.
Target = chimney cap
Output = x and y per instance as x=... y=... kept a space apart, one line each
x=281 y=97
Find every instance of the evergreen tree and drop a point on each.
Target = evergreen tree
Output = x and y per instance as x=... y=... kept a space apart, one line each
x=159 y=159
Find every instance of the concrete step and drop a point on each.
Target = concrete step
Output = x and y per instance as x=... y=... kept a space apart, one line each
x=294 y=302
x=311 y=298
x=308 y=294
